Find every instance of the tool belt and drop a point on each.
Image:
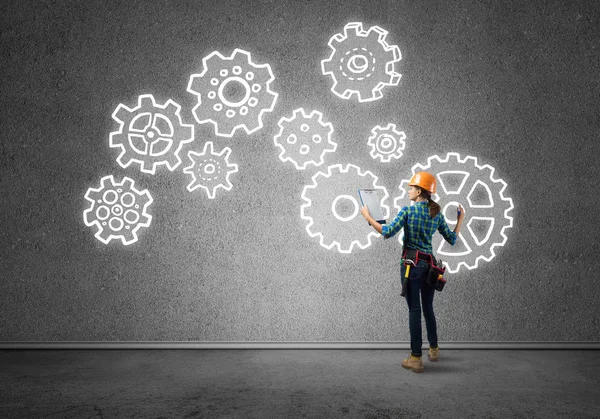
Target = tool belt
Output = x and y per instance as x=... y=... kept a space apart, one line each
x=435 y=276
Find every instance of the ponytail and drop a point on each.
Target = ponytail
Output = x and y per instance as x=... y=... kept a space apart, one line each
x=434 y=207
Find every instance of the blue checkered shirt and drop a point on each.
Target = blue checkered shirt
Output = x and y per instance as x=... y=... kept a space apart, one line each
x=419 y=227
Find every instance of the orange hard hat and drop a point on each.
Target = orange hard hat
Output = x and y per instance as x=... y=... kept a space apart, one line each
x=425 y=180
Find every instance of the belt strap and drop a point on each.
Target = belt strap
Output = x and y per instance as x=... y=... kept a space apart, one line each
x=414 y=254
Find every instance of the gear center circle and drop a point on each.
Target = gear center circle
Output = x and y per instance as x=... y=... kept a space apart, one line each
x=358 y=64
x=234 y=85
x=446 y=210
x=387 y=143
x=209 y=168
x=343 y=206
x=117 y=210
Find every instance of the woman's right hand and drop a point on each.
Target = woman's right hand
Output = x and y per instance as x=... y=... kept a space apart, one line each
x=460 y=213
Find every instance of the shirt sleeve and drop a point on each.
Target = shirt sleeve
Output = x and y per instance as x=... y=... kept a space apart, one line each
x=449 y=236
x=397 y=224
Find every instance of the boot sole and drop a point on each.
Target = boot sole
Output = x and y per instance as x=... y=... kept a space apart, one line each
x=413 y=369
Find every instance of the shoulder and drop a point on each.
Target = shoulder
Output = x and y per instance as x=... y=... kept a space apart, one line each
x=440 y=217
x=407 y=209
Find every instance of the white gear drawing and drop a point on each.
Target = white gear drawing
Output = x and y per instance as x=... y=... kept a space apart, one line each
x=463 y=180
x=361 y=63
x=386 y=143
x=150 y=134
x=333 y=215
x=118 y=210
x=304 y=139
x=233 y=92
x=210 y=170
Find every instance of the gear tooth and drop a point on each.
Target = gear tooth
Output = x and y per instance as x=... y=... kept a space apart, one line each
x=146 y=101
x=125 y=160
x=196 y=85
x=376 y=94
x=121 y=113
x=327 y=66
x=93 y=195
x=330 y=131
x=377 y=34
x=172 y=162
x=430 y=162
x=396 y=54
x=337 y=39
x=173 y=110
x=104 y=235
x=147 y=220
x=394 y=77
x=234 y=168
x=213 y=57
x=147 y=198
x=116 y=139
x=246 y=54
x=128 y=183
x=490 y=172
x=107 y=182
x=353 y=28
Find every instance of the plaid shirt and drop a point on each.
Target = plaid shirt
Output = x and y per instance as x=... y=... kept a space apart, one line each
x=419 y=227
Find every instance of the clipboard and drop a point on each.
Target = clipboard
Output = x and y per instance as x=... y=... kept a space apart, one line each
x=369 y=197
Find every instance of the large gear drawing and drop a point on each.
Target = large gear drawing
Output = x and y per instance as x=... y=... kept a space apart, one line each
x=210 y=170
x=150 y=134
x=386 y=143
x=233 y=92
x=361 y=63
x=118 y=210
x=332 y=209
x=304 y=139
x=463 y=180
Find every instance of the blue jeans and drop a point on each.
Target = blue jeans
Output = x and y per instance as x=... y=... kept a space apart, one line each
x=417 y=285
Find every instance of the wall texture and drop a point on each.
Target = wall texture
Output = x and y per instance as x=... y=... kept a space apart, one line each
x=514 y=85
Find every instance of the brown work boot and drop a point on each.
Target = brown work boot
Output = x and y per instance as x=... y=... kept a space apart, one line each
x=434 y=354
x=413 y=363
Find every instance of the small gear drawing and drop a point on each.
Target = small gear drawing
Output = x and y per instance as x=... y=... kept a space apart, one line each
x=150 y=134
x=386 y=143
x=361 y=63
x=486 y=209
x=331 y=207
x=233 y=92
x=118 y=210
x=304 y=139
x=210 y=170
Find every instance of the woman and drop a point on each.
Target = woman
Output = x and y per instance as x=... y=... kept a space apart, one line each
x=419 y=221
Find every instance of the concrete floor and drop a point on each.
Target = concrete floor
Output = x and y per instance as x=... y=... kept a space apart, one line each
x=298 y=384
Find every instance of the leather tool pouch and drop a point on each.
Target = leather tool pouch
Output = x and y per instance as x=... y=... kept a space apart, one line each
x=435 y=278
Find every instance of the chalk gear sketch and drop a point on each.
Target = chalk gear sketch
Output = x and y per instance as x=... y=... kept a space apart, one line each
x=332 y=208
x=233 y=92
x=361 y=63
x=150 y=134
x=304 y=139
x=118 y=210
x=386 y=143
x=210 y=170
x=486 y=206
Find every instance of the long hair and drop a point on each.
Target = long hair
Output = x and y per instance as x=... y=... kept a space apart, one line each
x=434 y=207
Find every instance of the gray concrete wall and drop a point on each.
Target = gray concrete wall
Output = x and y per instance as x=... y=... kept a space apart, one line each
x=513 y=84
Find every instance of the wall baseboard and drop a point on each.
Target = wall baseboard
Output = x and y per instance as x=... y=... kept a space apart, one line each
x=292 y=345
